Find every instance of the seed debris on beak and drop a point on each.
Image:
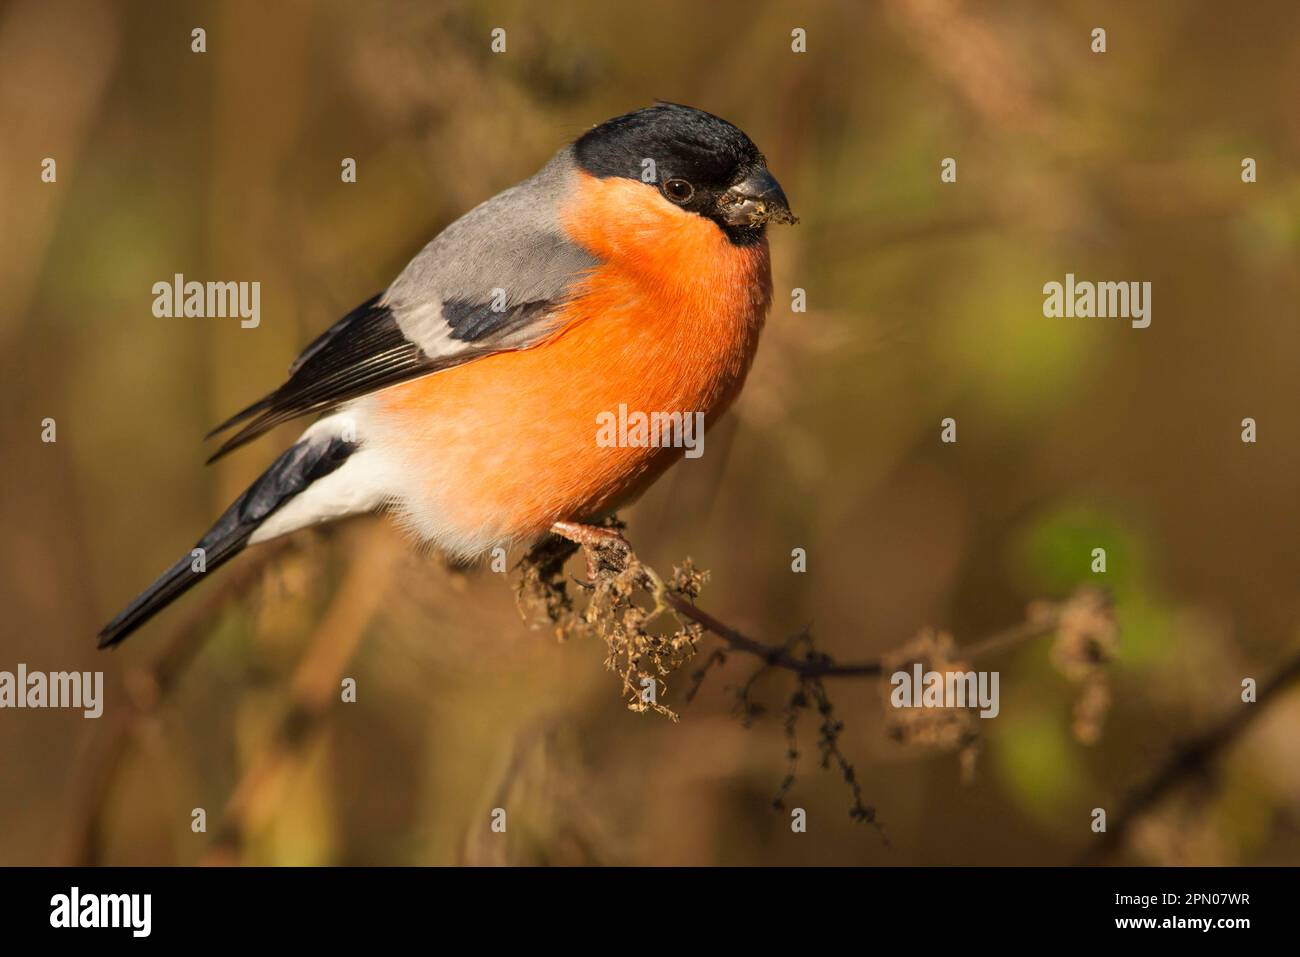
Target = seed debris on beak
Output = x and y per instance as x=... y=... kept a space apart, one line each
x=755 y=200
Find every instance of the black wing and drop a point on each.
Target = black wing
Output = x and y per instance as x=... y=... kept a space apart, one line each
x=366 y=351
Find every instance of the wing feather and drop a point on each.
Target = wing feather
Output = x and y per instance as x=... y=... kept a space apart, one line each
x=492 y=281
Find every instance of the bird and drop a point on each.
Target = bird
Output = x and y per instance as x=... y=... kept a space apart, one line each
x=631 y=271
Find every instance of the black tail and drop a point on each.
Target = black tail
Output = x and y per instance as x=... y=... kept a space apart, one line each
x=288 y=475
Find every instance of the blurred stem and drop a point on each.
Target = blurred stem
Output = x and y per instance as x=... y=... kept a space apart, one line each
x=1191 y=760
x=314 y=691
x=145 y=690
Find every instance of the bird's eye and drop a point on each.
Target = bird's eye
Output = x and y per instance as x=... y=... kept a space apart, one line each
x=678 y=190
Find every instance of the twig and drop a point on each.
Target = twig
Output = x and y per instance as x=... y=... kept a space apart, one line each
x=1190 y=760
x=820 y=665
x=610 y=558
x=313 y=691
x=813 y=664
x=144 y=690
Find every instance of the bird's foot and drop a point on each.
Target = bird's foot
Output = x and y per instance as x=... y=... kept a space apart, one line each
x=602 y=544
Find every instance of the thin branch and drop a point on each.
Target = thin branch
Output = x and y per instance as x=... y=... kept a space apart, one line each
x=605 y=546
x=614 y=572
x=820 y=665
x=144 y=690
x=314 y=690
x=1190 y=760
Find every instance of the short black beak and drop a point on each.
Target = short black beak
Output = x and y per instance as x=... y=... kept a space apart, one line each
x=755 y=200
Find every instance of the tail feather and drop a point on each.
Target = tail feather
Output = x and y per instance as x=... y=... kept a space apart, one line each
x=297 y=468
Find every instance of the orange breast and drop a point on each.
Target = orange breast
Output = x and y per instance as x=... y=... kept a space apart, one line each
x=504 y=446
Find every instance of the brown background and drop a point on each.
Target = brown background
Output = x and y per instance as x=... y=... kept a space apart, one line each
x=924 y=302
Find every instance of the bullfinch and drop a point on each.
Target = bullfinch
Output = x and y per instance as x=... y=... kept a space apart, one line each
x=631 y=272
